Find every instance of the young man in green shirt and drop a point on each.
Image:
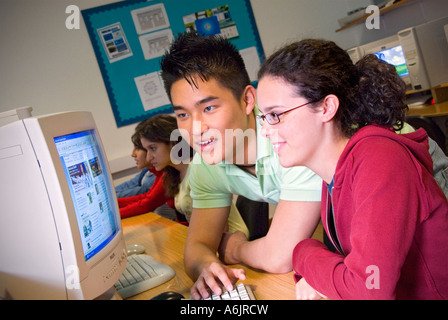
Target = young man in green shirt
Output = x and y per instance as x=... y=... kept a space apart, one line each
x=214 y=103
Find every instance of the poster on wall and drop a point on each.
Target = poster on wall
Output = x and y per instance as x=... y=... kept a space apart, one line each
x=212 y=21
x=156 y=43
x=114 y=42
x=150 y=18
x=130 y=37
x=151 y=91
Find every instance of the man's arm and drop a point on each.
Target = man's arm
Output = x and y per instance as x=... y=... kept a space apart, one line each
x=201 y=263
x=293 y=221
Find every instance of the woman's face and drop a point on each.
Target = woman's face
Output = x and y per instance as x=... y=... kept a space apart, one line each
x=158 y=153
x=295 y=138
x=139 y=156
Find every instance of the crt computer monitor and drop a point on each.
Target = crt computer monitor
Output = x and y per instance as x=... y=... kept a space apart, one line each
x=395 y=57
x=387 y=49
x=60 y=229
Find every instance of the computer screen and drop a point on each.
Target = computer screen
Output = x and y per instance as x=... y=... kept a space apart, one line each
x=387 y=49
x=60 y=226
x=395 y=57
x=83 y=166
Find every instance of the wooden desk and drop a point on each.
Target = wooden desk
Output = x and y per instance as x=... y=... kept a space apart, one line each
x=431 y=110
x=165 y=240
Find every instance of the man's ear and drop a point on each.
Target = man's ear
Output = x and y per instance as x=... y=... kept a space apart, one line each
x=249 y=99
x=330 y=107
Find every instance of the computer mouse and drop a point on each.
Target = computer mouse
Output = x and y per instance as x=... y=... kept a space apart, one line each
x=135 y=249
x=169 y=295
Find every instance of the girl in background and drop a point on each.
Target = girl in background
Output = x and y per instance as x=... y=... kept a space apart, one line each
x=155 y=135
x=155 y=199
x=142 y=181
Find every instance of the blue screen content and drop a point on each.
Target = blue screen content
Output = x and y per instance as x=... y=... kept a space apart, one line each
x=395 y=57
x=90 y=188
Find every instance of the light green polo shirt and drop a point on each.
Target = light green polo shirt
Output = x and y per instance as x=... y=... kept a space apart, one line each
x=213 y=186
x=183 y=204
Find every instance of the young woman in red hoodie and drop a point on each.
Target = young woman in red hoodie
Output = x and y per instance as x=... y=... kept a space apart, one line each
x=381 y=206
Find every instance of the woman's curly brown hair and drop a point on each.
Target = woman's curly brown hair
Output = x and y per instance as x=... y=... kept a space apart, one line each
x=370 y=92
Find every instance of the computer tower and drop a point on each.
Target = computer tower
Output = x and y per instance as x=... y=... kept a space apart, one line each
x=426 y=50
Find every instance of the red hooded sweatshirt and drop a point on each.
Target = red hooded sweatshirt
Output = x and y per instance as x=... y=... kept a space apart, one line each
x=389 y=219
x=148 y=201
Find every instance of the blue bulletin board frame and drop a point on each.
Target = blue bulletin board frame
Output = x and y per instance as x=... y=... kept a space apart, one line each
x=123 y=67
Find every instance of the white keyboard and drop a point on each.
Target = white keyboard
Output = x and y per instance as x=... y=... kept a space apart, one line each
x=240 y=292
x=142 y=273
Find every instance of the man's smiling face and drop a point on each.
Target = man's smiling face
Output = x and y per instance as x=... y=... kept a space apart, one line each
x=206 y=112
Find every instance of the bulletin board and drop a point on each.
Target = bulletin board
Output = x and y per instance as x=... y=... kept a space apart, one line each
x=130 y=37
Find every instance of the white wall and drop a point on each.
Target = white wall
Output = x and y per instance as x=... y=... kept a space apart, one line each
x=282 y=21
x=50 y=68
x=411 y=13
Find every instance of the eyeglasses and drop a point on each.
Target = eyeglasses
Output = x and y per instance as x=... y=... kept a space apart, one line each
x=273 y=118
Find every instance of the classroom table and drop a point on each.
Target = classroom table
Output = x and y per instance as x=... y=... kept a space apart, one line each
x=429 y=110
x=164 y=240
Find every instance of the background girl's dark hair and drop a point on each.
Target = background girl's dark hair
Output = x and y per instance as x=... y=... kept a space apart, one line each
x=370 y=92
x=192 y=55
x=158 y=129
x=136 y=141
